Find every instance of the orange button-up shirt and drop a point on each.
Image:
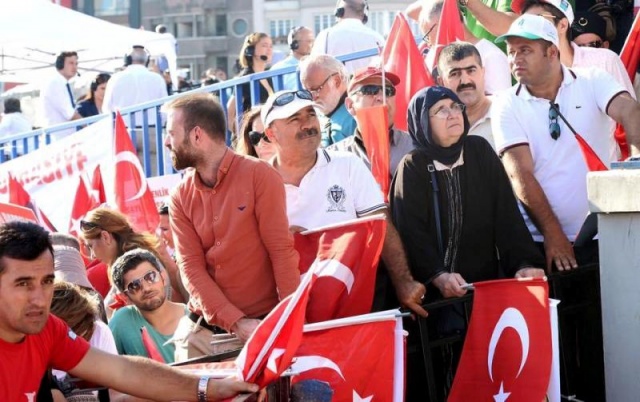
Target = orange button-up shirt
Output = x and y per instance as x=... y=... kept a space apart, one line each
x=233 y=245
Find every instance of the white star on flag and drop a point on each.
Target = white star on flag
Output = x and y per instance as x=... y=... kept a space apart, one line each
x=501 y=396
x=358 y=398
x=271 y=363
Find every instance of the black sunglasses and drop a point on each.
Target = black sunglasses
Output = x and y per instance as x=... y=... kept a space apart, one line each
x=288 y=97
x=256 y=136
x=554 y=127
x=373 y=89
x=87 y=226
x=596 y=43
x=135 y=285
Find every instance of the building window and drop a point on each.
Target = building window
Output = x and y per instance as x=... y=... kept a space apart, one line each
x=279 y=29
x=111 y=7
x=221 y=25
x=184 y=30
x=240 y=27
x=322 y=21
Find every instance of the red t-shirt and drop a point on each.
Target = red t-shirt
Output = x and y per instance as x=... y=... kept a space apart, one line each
x=23 y=364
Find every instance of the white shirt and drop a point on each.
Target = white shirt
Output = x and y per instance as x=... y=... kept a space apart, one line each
x=605 y=59
x=347 y=36
x=520 y=118
x=56 y=106
x=482 y=128
x=14 y=123
x=133 y=86
x=497 y=75
x=339 y=187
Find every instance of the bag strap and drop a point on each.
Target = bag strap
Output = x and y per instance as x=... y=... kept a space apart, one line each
x=436 y=206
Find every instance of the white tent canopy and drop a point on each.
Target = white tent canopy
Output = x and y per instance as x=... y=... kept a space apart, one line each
x=33 y=32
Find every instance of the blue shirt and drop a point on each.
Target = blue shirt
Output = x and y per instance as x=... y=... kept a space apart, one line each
x=340 y=126
x=290 y=81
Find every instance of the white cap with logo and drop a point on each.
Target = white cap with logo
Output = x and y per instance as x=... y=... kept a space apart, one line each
x=284 y=104
x=533 y=27
x=564 y=7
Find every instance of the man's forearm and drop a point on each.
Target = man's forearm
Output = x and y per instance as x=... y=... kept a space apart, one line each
x=494 y=21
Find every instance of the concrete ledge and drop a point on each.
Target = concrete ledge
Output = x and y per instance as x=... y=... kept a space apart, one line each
x=614 y=191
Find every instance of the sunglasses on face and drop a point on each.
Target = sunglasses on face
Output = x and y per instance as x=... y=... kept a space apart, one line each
x=372 y=90
x=86 y=226
x=445 y=112
x=256 y=136
x=596 y=43
x=135 y=285
x=554 y=127
x=288 y=97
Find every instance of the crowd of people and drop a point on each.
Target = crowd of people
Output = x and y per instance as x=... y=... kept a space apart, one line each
x=488 y=182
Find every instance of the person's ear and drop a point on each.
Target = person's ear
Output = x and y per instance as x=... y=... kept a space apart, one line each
x=348 y=103
x=106 y=237
x=562 y=27
x=270 y=133
x=439 y=81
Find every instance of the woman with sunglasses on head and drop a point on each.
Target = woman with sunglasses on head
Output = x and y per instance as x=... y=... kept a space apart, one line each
x=92 y=102
x=455 y=210
x=252 y=139
x=108 y=234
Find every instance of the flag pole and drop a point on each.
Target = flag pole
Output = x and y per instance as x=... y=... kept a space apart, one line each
x=384 y=84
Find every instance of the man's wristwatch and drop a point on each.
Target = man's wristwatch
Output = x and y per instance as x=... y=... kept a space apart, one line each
x=202 y=389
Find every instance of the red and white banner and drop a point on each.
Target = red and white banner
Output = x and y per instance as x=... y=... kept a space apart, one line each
x=507 y=352
x=348 y=255
x=12 y=212
x=161 y=187
x=50 y=174
x=359 y=358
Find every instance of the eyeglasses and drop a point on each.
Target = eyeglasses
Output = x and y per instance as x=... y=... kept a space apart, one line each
x=554 y=127
x=316 y=92
x=86 y=226
x=288 y=97
x=372 y=90
x=596 y=43
x=135 y=285
x=445 y=112
x=256 y=136
x=425 y=38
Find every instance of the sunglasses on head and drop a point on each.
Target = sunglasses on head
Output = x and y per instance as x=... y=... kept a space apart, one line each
x=554 y=127
x=256 y=136
x=288 y=97
x=135 y=285
x=86 y=226
x=373 y=89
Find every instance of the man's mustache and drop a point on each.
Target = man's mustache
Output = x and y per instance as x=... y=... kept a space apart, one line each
x=307 y=133
x=462 y=87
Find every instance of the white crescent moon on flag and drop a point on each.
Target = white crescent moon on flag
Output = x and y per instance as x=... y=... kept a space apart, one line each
x=510 y=318
x=337 y=270
x=128 y=156
x=306 y=363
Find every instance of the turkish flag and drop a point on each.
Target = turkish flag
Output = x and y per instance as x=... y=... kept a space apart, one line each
x=593 y=161
x=373 y=125
x=19 y=196
x=150 y=346
x=97 y=186
x=402 y=57
x=271 y=347
x=133 y=197
x=507 y=351
x=450 y=29
x=82 y=204
x=360 y=358
x=347 y=256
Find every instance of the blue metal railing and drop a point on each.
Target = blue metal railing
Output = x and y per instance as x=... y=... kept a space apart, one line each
x=33 y=140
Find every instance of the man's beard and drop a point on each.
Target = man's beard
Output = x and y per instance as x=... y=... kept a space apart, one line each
x=183 y=158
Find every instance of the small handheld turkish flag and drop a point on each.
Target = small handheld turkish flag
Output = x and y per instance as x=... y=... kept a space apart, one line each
x=507 y=351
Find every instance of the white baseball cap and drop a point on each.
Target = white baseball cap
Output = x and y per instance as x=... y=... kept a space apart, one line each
x=563 y=5
x=530 y=26
x=284 y=104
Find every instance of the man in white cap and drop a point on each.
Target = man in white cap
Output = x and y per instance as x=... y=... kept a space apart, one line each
x=311 y=173
x=538 y=148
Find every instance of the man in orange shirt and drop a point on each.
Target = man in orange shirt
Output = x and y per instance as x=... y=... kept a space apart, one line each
x=230 y=228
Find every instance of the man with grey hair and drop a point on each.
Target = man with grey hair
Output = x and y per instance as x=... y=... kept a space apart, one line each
x=326 y=78
x=139 y=276
x=350 y=34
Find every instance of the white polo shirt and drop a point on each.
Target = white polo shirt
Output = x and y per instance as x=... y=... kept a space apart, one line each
x=517 y=117
x=339 y=187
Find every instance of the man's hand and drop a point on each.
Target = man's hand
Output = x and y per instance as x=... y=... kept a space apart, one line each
x=559 y=250
x=296 y=229
x=244 y=328
x=450 y=284
x=411 y=294
x=530 y=273
x=227 y=388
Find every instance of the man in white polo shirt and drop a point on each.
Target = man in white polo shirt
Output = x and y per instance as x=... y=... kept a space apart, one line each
x=539 y=151
x=325 y=187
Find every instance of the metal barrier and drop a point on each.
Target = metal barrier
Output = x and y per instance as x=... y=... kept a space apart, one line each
x=580 y=332
x=152 y=152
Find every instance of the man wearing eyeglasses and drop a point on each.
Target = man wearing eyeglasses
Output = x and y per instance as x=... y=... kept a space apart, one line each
x=539 y=149
x=325 y=77
x=33 y=341
x=138 y=276
x=325 y=187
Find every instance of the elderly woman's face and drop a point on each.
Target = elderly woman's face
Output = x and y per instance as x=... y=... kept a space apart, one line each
x=446 y=122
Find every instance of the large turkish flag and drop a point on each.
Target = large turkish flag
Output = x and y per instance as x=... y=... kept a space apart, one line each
x=347 y=257
x=507 y=351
